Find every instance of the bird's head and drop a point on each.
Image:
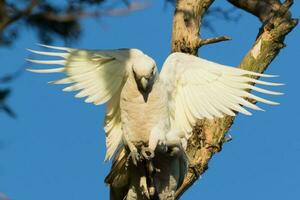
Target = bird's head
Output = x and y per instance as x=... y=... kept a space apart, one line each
x=145 y=72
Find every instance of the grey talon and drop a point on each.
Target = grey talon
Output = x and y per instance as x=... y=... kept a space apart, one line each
x=147 y=153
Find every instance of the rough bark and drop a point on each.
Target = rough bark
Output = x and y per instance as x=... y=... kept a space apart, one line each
x=209 y=135
x=186 y=26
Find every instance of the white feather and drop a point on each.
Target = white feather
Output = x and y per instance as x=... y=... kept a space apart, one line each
x=63 y=55
x=198 y=88
x=53 y=70
x=55 y=47
x=48 y=62
x=100 y=77
x=264 y=90
x=62 y=81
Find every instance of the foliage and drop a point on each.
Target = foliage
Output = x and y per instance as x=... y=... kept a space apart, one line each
x=51 y=21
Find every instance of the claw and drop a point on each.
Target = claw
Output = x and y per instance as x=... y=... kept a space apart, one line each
x=227 y=138
x=162 y=142
x=162 y=146
x=152 y=191
x=175 y=151
x=147 y=153
x=143 y=186
x=127 y=161
x=135 y=157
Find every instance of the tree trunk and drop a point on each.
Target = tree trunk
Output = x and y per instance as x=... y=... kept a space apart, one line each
x=209 y=135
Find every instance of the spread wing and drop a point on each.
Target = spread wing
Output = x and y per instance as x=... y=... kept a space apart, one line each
x=98 y=76
x=198 y=88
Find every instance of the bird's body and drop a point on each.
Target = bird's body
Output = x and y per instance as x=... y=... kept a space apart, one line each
x=142 y=117
x=145 y=108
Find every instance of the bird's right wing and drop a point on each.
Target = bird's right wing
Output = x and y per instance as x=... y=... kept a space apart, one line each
x=99 y=76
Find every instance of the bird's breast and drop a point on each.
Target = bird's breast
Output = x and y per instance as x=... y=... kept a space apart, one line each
x=140 y=116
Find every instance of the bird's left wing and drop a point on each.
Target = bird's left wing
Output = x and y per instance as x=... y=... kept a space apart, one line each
x=198 y=88
x=98 y=75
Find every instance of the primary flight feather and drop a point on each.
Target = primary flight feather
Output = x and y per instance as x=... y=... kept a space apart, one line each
x=144 y=107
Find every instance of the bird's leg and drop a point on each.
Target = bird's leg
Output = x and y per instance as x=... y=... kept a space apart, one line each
x=151 y=170
x=157 y=139
x=176 y=142
x=134 y=154
x=147 y=153
x=144 y=187
x=167 y=195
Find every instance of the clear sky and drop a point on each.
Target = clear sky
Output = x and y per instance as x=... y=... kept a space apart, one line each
x=56 y=147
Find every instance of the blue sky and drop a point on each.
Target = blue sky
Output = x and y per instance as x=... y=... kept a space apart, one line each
x=56 y=147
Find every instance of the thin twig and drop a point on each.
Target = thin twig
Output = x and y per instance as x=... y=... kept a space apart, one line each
x=207 y=41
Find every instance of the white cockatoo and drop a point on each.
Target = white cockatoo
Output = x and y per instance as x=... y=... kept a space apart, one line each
x=145 y=107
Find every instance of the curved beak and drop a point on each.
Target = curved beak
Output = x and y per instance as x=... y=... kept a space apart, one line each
x=144 y=82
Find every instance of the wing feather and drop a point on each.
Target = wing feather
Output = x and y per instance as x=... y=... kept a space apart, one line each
x=97 y=75
x=198 y=88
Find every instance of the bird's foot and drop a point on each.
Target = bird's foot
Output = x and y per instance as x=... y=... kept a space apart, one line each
x=174 y=147
x=144 y=187
x=162 y=146
x=175 y=151
x=227 y=138
x=147 y=153
x=167 y=195
x=135 y=157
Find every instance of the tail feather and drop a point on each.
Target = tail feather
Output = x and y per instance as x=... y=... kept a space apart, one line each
x=118 y=177
x=118 y=169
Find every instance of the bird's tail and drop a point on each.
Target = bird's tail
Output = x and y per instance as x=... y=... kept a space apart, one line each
x=118 y=177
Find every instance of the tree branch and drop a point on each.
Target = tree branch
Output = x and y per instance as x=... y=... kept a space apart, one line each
x=186 y=25
x=264 y=10
x=209 y=135
x=7 y=18
x=75 y=15
x=49 y=19
x=207 y=41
